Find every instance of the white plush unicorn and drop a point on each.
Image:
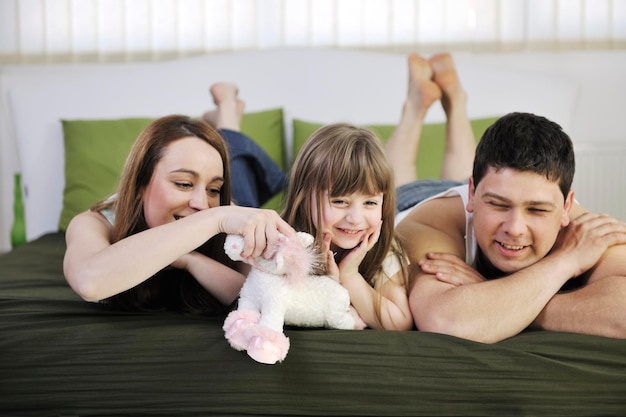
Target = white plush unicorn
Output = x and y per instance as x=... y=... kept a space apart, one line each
x=282 y=290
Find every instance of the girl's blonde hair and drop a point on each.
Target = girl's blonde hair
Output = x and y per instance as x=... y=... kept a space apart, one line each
x=343 y=159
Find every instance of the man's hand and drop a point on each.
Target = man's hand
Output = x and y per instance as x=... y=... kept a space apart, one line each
x=450 y=269
x=585 y=240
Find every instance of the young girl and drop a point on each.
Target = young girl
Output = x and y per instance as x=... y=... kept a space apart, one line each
x=342 y=190
x=155 y=244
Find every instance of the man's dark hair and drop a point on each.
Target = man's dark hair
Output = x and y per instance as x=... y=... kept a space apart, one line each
x=528 y=143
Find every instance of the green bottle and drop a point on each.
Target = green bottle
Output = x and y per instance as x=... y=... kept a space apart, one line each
x=18 y=230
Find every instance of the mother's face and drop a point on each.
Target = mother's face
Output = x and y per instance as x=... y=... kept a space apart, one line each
x=188 y=178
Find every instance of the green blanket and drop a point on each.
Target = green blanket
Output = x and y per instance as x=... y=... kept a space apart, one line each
x=62 y=356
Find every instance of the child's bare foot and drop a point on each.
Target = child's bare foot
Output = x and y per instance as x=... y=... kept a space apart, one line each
x=229 y=107
x=423 y=91
x=446 y=77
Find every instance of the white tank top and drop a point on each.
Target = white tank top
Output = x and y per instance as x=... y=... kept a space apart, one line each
x=471 y=247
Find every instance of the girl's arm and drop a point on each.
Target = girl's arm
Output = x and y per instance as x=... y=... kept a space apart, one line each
x=394 y=304
x=395 y=313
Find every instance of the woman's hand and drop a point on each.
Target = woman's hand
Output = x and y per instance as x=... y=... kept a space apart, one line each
x=260 y=228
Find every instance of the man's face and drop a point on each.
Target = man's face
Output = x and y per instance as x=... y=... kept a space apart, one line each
x=517 y=217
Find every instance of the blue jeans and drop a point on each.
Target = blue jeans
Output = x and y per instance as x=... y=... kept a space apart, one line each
x=255 y=177
x=408 y=195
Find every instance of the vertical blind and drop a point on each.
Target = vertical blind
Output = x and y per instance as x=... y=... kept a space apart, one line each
x=98 y=30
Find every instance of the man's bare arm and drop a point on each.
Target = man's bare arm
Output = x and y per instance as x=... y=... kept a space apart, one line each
x=487 y=311
x=596 y=308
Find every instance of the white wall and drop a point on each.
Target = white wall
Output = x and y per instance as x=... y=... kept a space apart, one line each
x=602 y=103
x=599 y=117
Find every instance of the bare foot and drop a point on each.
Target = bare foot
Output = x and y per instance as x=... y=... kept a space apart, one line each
x=403 y=145
x=446 y=77
x=210 y=117
x=229 y=107
x=423 y=91
x=460 y=143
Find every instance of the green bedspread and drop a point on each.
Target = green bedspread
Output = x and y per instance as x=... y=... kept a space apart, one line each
x=62 y=356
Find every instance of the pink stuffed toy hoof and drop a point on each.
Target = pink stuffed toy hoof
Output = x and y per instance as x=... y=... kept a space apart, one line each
x=266 y=345
x=235 y=326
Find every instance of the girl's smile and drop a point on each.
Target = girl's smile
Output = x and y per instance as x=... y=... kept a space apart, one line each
x=349 y=219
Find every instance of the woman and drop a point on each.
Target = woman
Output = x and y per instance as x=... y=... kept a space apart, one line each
x=158 y=242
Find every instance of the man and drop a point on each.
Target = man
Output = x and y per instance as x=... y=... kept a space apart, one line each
x=499 y=254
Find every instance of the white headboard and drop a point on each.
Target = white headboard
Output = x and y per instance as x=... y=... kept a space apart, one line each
x=322 y=85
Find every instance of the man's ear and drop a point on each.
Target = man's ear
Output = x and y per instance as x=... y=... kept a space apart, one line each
x=567 y=208
x=470 y=201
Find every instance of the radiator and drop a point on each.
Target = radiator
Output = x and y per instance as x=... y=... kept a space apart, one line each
x=600 y=179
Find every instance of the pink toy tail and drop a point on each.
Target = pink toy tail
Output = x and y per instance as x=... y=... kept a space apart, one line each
x=301 y=262
x=266 y=345
x=235 y=326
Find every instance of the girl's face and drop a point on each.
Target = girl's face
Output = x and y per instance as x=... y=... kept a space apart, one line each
x=188 y=178
x=349 y=219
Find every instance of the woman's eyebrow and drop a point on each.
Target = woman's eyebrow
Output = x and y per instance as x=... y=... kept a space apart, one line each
x=195 y=174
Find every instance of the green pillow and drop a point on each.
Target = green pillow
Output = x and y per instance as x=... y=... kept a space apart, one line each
x=432 y=142
x=95 y=152
x=266 y=128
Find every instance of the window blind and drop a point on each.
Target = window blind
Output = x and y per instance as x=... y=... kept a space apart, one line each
x=101 y=30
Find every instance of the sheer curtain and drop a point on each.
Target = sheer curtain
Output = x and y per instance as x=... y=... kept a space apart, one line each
x=109 y=30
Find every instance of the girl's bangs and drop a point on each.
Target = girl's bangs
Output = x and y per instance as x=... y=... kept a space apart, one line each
x=353 y=178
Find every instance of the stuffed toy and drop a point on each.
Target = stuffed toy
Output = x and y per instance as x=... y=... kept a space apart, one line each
x=282 y=290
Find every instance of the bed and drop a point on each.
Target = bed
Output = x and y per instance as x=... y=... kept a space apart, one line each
x=62 y=356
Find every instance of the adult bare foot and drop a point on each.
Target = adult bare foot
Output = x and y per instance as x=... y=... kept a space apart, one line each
x=460 y=142
x=446 y=77
x=423 y=91
x=403 y=145
x=210 y=117
x=229 y=107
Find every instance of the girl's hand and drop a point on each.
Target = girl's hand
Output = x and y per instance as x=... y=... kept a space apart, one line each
x=331 y=265
x=351 y=262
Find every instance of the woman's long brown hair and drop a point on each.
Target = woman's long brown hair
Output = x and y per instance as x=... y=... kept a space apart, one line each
x=140 y=164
